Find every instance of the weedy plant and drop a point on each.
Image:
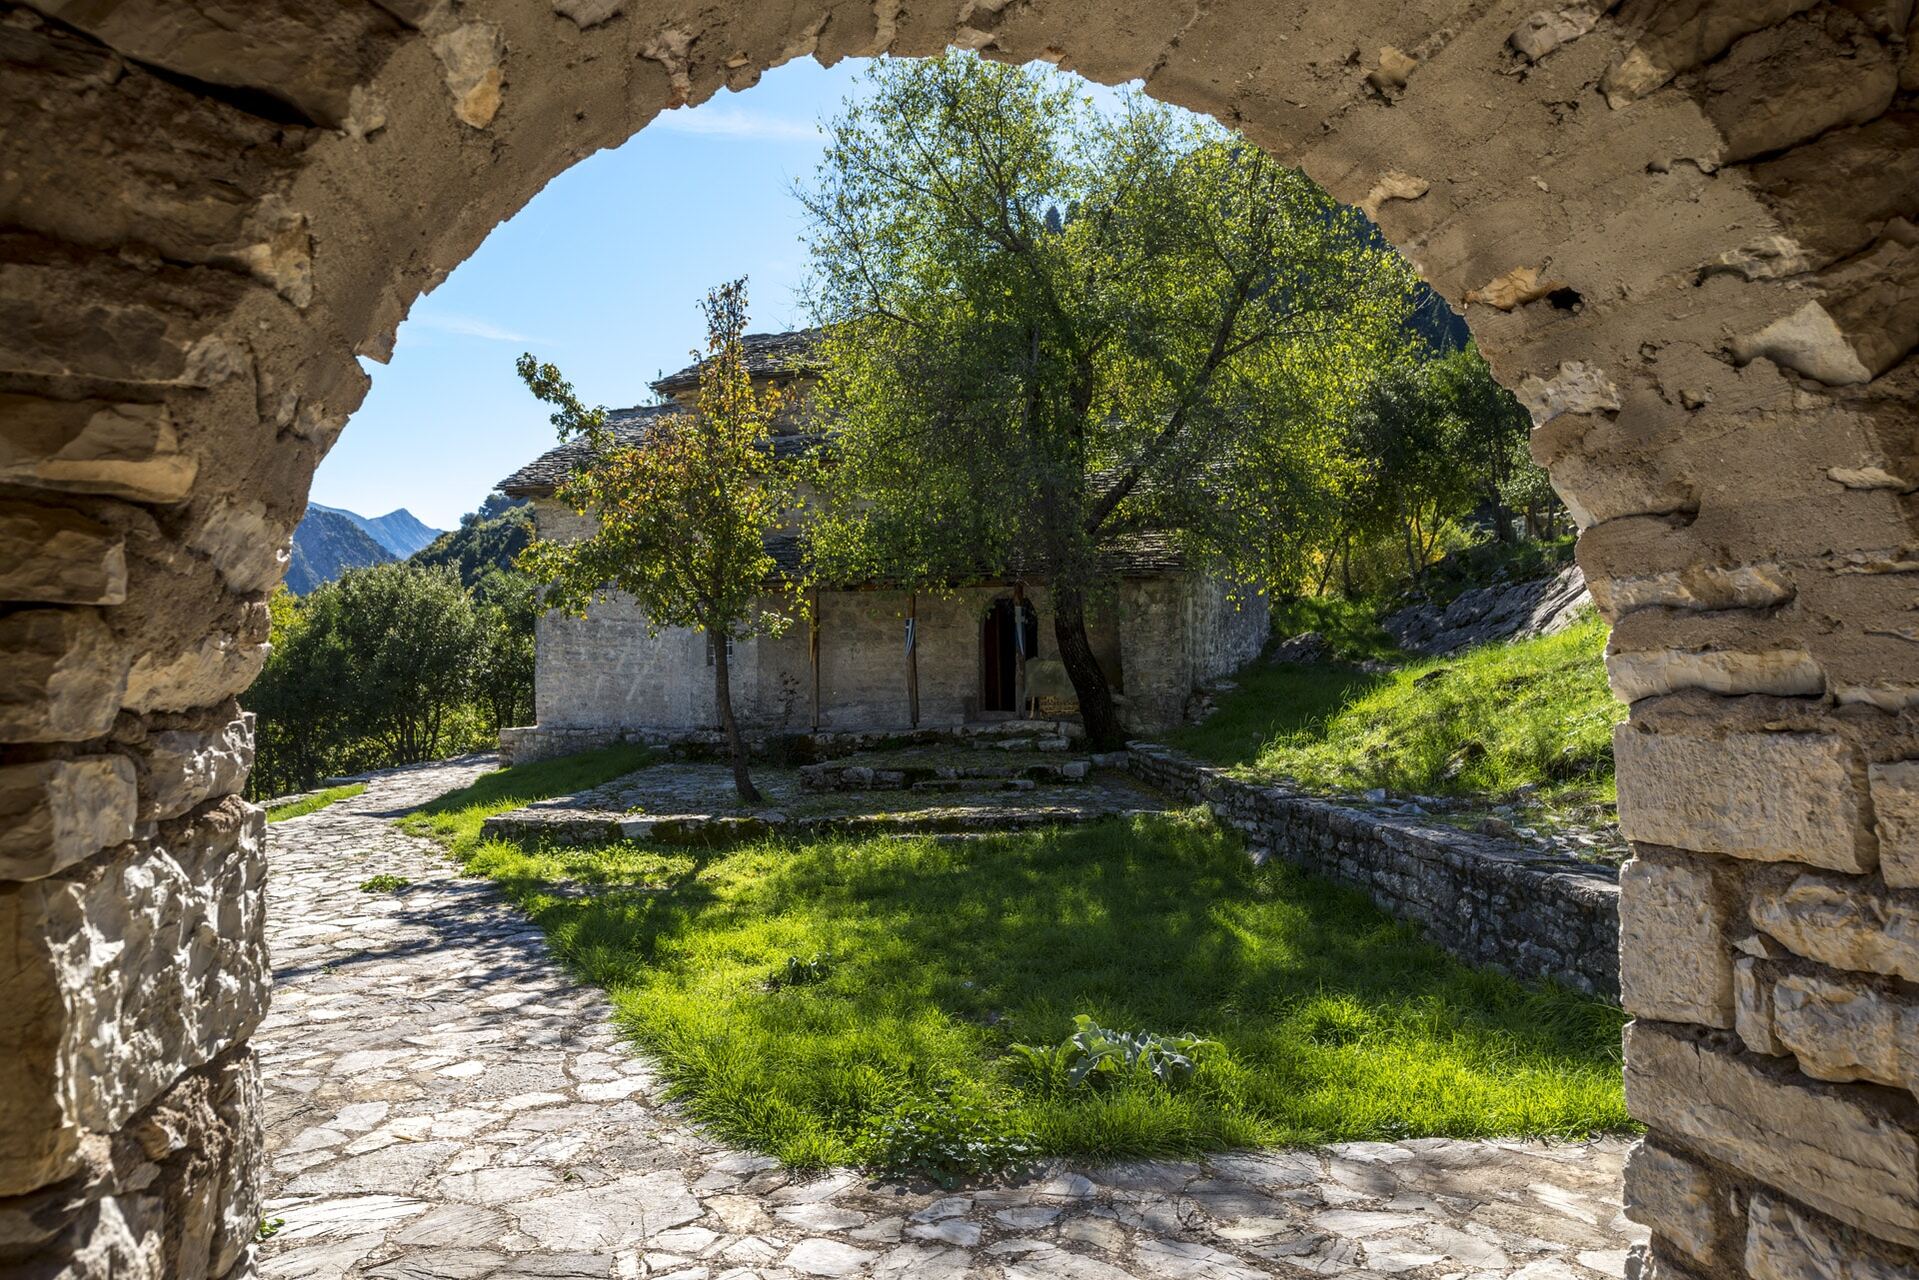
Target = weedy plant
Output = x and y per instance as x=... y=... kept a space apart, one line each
x=802 y=973
x=1095 y=1054
x=385 y=882
x=950 y=1137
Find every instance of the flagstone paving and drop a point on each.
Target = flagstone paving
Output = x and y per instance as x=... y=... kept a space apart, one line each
x=444 y=1102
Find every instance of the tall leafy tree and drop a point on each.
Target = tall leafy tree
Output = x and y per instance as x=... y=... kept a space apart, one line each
x=1054 y=331
x=681 y=516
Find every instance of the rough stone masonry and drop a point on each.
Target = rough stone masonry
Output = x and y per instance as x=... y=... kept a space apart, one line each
x=1681 y=230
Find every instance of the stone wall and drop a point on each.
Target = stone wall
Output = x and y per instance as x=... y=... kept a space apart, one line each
x=1681 y=231
x=1486 y=901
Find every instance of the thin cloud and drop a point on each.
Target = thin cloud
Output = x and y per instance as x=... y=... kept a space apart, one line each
x=467 y=326
x=744 y=126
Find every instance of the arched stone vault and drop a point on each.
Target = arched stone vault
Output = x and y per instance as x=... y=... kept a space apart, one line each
x=1680 y=231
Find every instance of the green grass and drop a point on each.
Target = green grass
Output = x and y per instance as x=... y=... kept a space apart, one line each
x=1351 y=627
x=1334 y=1022
x=385 y=882
x=455 y=817
x=1485 y=722
x=315 y=802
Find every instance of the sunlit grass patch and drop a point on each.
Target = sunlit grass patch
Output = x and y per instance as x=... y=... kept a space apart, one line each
x=1487 y=721
x=315 y=802
x=1332 y=1022
x=455 y=817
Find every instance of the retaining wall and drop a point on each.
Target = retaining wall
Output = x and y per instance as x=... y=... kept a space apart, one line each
x=1487 y=901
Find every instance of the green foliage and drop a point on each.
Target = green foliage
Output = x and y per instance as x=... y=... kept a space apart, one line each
x=1053 y=328
x=1334 y=1023
x=489 y=539
x=385 y=882
x=1095 y=1055
x=268 y=1228
x=376 y=669
x=314 y=803
x=1350 y=627
x=1530 y=713
x=950 y=1137
x=680 y=518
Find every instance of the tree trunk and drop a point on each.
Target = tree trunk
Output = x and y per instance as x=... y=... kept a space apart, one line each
x=723 y=698
x=1082 y=668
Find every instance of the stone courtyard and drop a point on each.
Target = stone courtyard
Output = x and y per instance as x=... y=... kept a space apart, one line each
x=443 y=1101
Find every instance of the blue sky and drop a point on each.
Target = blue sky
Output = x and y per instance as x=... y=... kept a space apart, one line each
x=601 y=273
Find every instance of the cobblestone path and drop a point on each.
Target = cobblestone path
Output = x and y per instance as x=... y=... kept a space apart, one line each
x=443 y=1102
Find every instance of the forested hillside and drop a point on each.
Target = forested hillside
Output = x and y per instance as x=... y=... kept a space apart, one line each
x=325 y=545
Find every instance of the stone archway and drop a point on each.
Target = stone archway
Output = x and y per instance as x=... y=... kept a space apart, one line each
x=1679 y=230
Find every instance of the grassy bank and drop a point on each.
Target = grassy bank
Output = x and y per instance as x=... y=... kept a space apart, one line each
x=818 y=1000
x=1488 y=721
x=454 y=819
x=314 y=802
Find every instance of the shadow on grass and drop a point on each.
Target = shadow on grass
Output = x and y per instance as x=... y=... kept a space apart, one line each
x=1334 y=1022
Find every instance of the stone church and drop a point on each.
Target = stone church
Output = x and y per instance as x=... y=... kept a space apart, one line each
x=869 y=659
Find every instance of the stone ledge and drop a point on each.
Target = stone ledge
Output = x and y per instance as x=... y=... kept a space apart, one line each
x=1847 y=1150
x=1486 y=901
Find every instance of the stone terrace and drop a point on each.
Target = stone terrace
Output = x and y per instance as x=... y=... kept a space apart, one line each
x=442 y=1101
x=692 y=802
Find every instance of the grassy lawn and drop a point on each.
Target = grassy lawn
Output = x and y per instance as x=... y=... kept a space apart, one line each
x=455 y=817
x=315 y=802
x=1332 y=1021
x=1486 y=721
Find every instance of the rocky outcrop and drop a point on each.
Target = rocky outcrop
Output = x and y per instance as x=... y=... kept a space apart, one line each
x=1514 y=611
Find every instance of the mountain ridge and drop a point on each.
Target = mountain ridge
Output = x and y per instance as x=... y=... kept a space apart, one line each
x=399 y=531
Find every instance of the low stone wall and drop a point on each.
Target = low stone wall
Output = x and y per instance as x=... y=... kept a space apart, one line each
x=1486 y=901
x=527 y=743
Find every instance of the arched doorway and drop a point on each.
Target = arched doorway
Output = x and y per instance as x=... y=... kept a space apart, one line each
x=1678 y=231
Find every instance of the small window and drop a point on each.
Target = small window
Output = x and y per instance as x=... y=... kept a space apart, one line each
x=709 y=648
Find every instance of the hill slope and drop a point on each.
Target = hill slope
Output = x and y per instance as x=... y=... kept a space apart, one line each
x=489 y=538
x=399 y=531
x=326 y=544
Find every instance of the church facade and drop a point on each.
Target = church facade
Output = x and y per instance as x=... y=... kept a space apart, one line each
x=870 y=659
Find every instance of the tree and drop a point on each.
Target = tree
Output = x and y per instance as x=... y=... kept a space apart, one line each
x=507 y=603
x=681 y=517
x=1489 y=430
x=404 y=643
x=1051 y=331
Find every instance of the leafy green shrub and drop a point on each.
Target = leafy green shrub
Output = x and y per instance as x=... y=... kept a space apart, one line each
x=1097 y=1054
x=385 y=882
x=949 y=1137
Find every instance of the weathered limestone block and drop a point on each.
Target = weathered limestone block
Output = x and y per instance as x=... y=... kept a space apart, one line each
x=1675 y=1198
x=246 y=542
x=97 y=319
x=1775 y=797
x=1796 y=81
x=173 y=1196
x=1548 y=29
x=1684 y=35
x=1783 y=1242
x=57 y=812
x=1847 y=1150
x=472 y=54
x=55 y=556
x=1846 y=924
x=125 y=972
x=201 y=192
x=91 y=446
x=63 y=677
x=1866 y=322
x=182 y=769
x=308 y=55
x=1650 y=672
x=1846 y=1028
x=1675 y=959
x=1877 y=167
x=1895 y=813
x=1752 y=1012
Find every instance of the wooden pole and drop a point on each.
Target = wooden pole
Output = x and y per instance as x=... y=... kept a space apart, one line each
x=813 y=654
x=913 y=657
